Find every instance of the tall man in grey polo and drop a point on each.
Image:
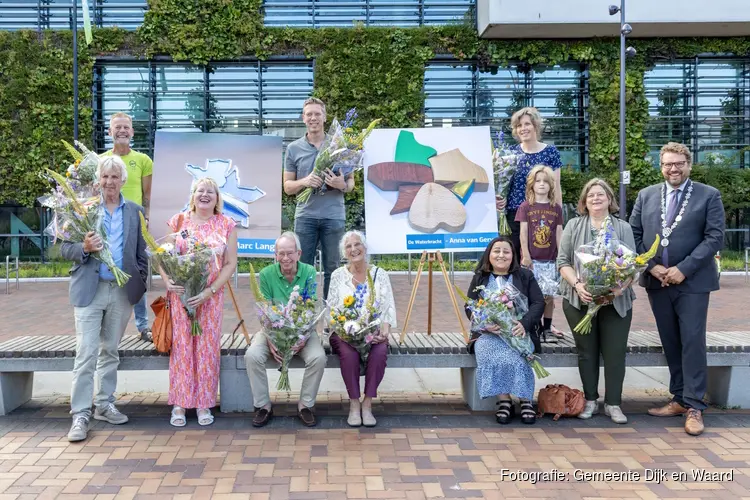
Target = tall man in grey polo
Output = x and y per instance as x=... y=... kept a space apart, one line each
x=102 y=308
x=322 y=217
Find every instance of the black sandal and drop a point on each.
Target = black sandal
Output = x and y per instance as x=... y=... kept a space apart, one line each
x=506 y=412
x=528 y=415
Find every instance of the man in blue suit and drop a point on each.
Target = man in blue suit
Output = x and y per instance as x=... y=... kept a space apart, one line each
x=689 y=218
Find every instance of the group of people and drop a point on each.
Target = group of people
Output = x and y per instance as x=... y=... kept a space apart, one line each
x=678 y=281
x=687 y=216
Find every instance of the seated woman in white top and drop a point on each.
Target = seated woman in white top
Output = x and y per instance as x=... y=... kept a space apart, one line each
x=344 y=282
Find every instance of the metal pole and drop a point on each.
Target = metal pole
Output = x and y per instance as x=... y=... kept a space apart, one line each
x=409 y=268
x=622 y=111
x=75 y=69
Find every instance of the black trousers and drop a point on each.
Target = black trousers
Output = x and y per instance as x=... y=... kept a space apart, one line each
x=681 y=319
x=515 y=233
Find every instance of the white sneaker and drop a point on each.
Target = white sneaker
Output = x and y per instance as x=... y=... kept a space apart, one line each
x=616 y=414
x=79 y=430
x=110 y=414
x=591 y=409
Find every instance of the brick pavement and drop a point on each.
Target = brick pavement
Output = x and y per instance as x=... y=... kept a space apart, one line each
x=42 y=308
x=454 y=456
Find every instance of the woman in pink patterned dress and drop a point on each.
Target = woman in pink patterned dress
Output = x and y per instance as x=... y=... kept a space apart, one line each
x=194 y=360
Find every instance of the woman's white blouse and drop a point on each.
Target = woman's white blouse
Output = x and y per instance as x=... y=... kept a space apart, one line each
x=342 y=286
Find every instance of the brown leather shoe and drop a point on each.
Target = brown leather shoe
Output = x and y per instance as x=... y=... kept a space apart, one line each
x=694 y=422
x=307 y=417
x=671 y=409
x=262 y=417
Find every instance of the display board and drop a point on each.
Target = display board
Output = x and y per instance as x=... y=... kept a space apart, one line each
x=247 y=169
x=429 y=189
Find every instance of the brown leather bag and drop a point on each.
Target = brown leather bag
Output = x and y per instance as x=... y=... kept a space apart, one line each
x=162 y=329
x=561 y=401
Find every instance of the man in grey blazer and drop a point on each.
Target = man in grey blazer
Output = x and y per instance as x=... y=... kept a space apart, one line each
x=689 y=218
x=102 y=308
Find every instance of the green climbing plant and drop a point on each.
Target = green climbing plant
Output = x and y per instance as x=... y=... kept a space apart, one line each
x=380 y=71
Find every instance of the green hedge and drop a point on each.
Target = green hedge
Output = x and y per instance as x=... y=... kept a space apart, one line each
x=380 y=71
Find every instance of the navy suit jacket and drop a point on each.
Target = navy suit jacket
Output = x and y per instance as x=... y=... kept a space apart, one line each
x=694 y=242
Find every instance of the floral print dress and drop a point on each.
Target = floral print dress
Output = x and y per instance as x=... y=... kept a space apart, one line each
x=194 y=362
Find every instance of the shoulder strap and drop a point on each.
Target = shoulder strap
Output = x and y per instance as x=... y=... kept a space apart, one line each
x=180 y=221
x=376 y=273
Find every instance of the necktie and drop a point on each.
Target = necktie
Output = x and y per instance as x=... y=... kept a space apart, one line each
x=671 y=214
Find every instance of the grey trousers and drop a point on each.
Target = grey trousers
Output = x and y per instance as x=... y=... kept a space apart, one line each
x=258 y=353
x=99 y=329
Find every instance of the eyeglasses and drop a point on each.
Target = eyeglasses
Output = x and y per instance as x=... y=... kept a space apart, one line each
x=282 y=255
x=678 y=164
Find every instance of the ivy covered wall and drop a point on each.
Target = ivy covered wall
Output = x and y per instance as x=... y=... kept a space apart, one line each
x=380 y=71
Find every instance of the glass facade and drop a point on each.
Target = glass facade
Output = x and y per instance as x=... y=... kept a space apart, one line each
x=704 y=103
x=245 y=98
x=343 y=13
x=58 y=14
x=129 y=14
x=459 y=94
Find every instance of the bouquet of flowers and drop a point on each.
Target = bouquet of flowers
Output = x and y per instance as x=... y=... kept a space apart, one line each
x=606 y=268
x=287 y=326
x=341 y=151
x=495 y=312
x=547 y=277
x=82 y=172
x=505 y=163
x=357 y=321
x=187 y=261
x=76 y=216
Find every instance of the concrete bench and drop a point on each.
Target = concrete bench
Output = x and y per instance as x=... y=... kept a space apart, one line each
x=728 y=361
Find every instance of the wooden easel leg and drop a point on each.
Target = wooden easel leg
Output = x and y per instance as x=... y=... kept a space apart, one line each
x=452 y=295
x=430 y=259
x=239 y=315
x=412 y=297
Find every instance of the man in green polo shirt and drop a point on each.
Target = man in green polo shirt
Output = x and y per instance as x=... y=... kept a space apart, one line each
x=276 y=283
x=137 y=189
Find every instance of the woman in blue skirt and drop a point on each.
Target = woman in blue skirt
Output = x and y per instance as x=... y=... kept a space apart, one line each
x=501 y=371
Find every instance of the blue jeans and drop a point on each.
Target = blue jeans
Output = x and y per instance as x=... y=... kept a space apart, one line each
x=141 y=314
x=326 y=231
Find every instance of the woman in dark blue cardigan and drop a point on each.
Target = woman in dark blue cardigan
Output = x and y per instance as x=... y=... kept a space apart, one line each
x=501 y=371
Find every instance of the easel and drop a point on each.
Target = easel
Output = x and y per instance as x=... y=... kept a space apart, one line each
x=241 y=323
x=430 y=258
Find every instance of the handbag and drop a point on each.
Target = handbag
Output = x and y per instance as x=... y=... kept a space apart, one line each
x=162 y=328
x=561 y=401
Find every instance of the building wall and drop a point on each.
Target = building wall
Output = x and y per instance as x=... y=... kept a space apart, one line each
x=590 y=18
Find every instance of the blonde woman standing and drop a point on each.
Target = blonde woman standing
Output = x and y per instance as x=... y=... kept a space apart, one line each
x=194 y=360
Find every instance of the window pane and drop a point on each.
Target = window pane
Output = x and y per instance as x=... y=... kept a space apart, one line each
x=705 y=105
x=498 y=96
x=449 y=95
x=125 y=88
x=234 y=96
x=244 y=98
x=558 y=93
x=57 y=14
x=721 y=109
x=460 y=95
x=343 y=13
x=285 y=88
x=180 y=98
x=668 y=88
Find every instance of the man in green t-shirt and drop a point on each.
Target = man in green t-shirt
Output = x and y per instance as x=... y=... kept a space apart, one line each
x=276 y=283
x=137 y=189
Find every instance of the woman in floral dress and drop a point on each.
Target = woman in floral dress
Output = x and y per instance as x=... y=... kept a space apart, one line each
x=194 y=361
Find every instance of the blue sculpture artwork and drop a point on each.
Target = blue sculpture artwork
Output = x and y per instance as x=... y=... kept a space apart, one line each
x=237 y=198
